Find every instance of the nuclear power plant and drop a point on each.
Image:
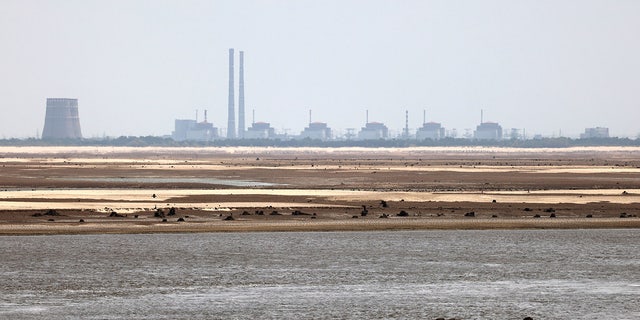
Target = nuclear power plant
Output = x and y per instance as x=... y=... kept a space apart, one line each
x=372 y=130
x=61 y=120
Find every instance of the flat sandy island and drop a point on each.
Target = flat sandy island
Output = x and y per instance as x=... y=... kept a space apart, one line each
x=80 y=190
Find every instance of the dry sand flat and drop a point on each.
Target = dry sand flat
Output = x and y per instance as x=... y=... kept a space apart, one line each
x=435 y=186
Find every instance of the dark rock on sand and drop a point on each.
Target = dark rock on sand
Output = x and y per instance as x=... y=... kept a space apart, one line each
x=159 y=214
x=403 y=214
x=51 y=212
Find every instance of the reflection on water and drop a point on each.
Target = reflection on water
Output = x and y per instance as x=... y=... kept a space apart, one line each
x=213 y=181
x=546 y=274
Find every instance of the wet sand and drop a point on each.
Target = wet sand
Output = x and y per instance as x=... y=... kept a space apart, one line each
x=49 y=190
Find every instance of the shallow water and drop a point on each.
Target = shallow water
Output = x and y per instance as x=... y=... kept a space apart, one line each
x=546 y=274
x=211 y=181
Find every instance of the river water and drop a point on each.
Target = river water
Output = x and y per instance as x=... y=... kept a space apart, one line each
x=545 y=274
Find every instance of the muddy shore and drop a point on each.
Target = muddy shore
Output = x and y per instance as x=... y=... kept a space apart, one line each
x=132 y=190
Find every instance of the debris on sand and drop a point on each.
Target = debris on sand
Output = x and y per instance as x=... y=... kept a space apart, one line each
x=403 y=214
x=158 y=214
x=364 y=211
x=117 y=215
x=49 y=212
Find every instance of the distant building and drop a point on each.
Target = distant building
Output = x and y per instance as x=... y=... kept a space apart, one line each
x=373 y=131
x=488 y=131
x=61 y=120
x=430 y=130
x=316 y=131
x=260 y=130
x=194 y=131
x=597 y=132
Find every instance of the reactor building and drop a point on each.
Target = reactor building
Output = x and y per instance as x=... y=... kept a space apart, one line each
x=61 y=120
x=488 y=131
x=192 y=130
x=597 y=132
x=430 y=130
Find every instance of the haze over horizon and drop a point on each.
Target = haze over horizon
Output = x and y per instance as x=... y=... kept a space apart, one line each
x=135 y=66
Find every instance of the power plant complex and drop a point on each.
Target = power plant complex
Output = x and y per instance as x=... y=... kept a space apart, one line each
x=236 y=128
x=63 y=122
x=372 y=130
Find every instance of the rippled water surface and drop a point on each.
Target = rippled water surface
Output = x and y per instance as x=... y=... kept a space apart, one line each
x=560 y=274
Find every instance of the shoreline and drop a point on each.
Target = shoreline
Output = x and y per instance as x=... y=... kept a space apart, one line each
x=309 y=225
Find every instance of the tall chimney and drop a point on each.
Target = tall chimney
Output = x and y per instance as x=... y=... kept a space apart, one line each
x=309 y=116
x=61 y=120
x=406 y=124
x=241 y=126
x=231 y=125
x=481 y=116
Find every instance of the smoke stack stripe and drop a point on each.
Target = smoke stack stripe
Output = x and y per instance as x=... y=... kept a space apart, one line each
x=62 y=120
x=241 y=126
x=231 y=125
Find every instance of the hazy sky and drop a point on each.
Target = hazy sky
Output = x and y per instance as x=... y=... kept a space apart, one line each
x=136 y=65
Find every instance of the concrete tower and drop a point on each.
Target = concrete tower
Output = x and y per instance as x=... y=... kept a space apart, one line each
x=231 y=125
x=241 y=127
x=405 y=132
x=61 y=120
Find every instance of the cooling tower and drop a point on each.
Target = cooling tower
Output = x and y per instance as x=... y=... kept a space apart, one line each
x=241 y=126
x=231 y=125
x=61 y=120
